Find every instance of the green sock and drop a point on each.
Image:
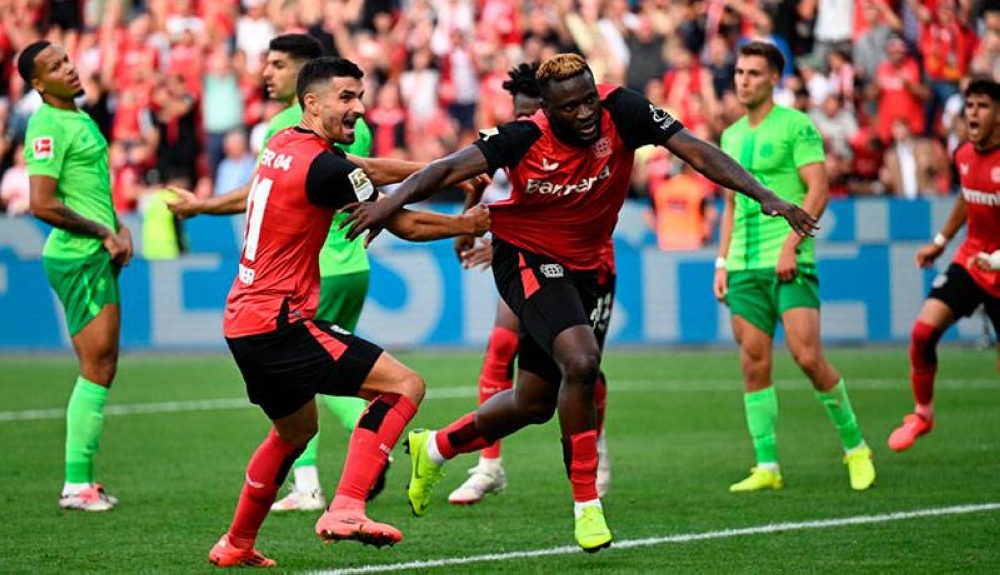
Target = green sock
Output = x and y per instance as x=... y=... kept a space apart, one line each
x=838 y=406
x=308 y=456
x=84 y=423
x=761 y=409
x=346 y=409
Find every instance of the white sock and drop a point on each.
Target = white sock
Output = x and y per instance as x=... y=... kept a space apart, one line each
x=432 y=449
x=579 y=505
x=72 y=488
x=490 y=465
x=306 y=479
x=768 y=466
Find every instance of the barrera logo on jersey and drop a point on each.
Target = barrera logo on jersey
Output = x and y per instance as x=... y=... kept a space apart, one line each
x=43 y=147
x=276 y=161
x=363 y=188
x=981 y=198
x=546 y=187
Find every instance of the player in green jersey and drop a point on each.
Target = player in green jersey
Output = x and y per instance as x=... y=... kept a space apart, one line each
x=766 y=273
x=343 y=264
x=67 y=159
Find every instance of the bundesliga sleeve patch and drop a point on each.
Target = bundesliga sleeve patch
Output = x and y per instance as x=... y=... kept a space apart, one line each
x=363 y=188
x=42 y=147
x=661 y=117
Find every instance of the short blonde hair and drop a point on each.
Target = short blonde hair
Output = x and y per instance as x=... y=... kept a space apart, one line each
x=561 y=67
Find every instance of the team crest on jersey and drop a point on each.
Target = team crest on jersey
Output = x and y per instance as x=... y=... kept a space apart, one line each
x=43 y=147
x=551 y=271
x=964 y=168
x=995 y=175
x=602 y=147
x=363 y=188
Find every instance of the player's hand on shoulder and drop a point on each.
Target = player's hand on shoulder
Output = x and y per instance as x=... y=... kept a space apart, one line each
x=478 y=217
x=926 y=255
x=479 y=255
x=801 y=221
x=185 y=204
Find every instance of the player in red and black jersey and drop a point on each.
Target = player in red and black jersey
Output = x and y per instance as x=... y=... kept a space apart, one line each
x=285 y=355
x=973 y=278
x=570 y=166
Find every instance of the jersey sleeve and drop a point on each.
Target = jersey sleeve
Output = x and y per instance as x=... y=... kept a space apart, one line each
x=334 y=182
x=505 y=145
x=638 y=120
x=807 y=143
x=45 y=144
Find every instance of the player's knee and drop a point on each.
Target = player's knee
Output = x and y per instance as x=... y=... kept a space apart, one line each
x=809 y=359
x=411 y=386
x=581 y=368
x=538 y=412
x=755 y=366
x=100 y=368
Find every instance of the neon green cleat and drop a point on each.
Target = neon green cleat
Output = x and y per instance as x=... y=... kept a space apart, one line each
x=860 y=468
x=759 y=479
x=592 y=533
x=424 y=473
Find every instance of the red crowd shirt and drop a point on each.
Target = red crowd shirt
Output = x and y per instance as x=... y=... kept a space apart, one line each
x=895 y=102
x=301 y=181
x=979 y=175
x=566 y=197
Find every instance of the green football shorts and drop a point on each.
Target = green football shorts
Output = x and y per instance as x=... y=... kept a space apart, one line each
x=758 y=297
x=84 y=286
x=341 y=298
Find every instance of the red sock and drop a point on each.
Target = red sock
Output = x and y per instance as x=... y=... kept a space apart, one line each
x=600 y=401
x=497 y=372
x=462 y=436
x=923 y=361
x=580 y=457
x=266 y=472
x=378 y=429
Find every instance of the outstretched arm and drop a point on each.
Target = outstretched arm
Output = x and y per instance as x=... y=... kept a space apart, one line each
x=421 y=226
x=725 y=171
x=384 y=171
x=448 y=171
x=187 y=204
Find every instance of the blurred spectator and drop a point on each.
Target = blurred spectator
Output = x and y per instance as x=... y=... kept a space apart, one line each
x=175 y=110
x=388 y=123
x=946 y=45
x=899 y=91
x=460 y=88
x=162 y=235
x=253 y=33
x=645 y=46
x=882 y=23
x=221 y=106
x=836 y=124
x=834 y=27
x=914 y=166
x=237 y=166
x=14 y=192
x=721 y=65
x=841 y=76
x=419 y=86
x=683 y=213
x=688 y=91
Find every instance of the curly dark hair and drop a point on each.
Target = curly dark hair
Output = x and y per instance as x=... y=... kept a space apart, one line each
x=522 y=80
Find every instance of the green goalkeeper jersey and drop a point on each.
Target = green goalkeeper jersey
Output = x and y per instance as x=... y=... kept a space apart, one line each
x=68 y=147
x=338 y=256
x=774 y=151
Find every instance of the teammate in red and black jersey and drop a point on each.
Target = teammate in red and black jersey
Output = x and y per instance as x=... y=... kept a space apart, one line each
x=570 y=165
x=973 y=278
x=285 y=355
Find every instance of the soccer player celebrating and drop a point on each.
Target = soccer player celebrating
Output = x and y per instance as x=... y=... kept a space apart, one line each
x=343 y=264
x=766 y=273
x=498 y=366
x=285 y=354
x=972 y=278
x=570 y=165
x=70 y=186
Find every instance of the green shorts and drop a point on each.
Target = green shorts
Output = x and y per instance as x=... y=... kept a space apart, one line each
x=341 y=298
x=758 y=297
x=84 y=286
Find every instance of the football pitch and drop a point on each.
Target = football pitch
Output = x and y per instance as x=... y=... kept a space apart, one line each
x=178 y=434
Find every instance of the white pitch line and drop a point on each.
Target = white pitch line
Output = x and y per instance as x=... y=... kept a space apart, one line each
x=680 y=538
x=617 y=386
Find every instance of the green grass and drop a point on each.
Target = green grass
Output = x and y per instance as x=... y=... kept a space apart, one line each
x=677 y=440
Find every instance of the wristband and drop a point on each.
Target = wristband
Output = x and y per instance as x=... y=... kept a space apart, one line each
x=940 y=241
x=720 y=263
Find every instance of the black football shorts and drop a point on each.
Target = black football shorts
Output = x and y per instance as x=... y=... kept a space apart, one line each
x=956 y=288
x=284 y=369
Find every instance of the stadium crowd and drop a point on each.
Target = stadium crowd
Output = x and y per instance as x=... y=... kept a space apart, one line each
x=175 y=85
